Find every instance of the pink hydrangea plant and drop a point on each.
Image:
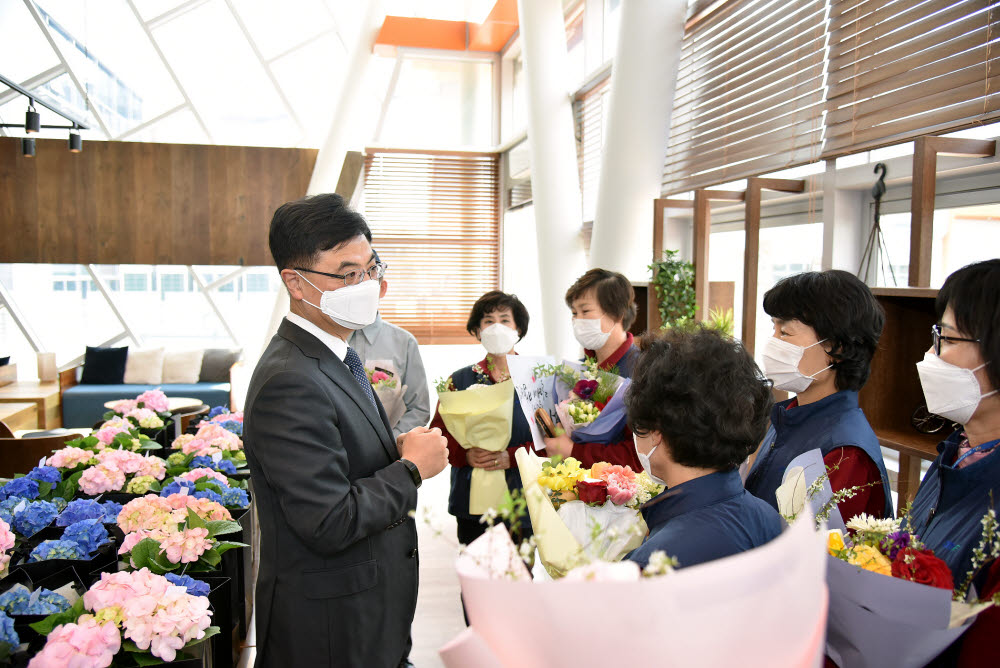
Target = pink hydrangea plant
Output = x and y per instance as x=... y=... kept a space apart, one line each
x=85 y=644
x=155 y=400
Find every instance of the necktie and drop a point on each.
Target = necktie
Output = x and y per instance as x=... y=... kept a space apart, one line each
x=353 y=363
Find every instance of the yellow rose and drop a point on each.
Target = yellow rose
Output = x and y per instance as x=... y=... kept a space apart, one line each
x=834 y=542
x=870 y=559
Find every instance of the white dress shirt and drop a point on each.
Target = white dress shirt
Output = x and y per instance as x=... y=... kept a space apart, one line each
x=337 y=345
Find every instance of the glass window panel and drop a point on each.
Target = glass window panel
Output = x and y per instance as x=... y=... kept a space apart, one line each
x=725 y=264
x=298 y=73
x=612 y=19
x=136 y=282
x=24 y=51
x=180 y=127
x=441 y=103
x=150 y=9
x=113 y=59
x=47 y=308
x=278 y=26
x=224 y=79
x=172 y=282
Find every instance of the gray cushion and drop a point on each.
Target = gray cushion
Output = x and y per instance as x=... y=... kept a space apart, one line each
x=215 y=365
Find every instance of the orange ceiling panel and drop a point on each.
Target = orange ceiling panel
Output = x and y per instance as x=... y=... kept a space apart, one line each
x=491 y=35
x=494 y=33
x=422 y=33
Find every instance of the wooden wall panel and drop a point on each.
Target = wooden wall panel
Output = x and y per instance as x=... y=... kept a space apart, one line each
x=130 y=202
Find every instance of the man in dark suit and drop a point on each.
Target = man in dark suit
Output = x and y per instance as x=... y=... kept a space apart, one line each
x=337 y=584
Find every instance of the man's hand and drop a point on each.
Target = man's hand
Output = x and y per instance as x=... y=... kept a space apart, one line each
x=559 y=445
x=487 y=459
x=426 y=448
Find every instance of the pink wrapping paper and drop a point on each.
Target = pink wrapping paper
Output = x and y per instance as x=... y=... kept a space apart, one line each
x=766 y=607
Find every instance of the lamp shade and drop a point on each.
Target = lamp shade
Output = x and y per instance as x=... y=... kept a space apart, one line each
x=32 y=120
x=75 y=142
x=28 y=147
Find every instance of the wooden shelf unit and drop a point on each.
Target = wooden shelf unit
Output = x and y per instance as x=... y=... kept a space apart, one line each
x=893 y=392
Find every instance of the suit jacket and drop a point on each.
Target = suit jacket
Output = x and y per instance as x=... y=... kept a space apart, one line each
x=337 y=584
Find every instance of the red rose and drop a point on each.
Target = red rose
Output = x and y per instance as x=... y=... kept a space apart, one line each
x=923 y=567
x=592 y=491
x=599 y=405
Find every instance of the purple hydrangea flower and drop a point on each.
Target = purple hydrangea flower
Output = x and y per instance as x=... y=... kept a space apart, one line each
x=88 y=534
x=57 y=549
x=233 y=426
x=111 y=511
x=80 y=509
x=19 y=600
x=194 y=587
x=176 y=486
x=210 y=495
x=35 y=516
x=235 y=497
x=218 y=410
x=45 y=474
x=8 y=636
x=24 y=488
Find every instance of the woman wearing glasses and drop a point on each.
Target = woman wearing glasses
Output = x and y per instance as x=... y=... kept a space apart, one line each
x=499 y=320
x=960 y=376
x=826 y=328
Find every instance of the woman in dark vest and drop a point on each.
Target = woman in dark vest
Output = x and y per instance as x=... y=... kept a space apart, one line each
x=698 y=406
x=603 y=306
x=960 y=375
x=499 y=320
x=826 y=328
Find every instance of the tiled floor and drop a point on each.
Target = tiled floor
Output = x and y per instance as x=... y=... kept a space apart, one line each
x=439 y=612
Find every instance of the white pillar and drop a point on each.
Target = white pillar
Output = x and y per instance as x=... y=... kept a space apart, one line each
x=555 y=183
x=339 y=139
x=843 y=228
x=638 y=127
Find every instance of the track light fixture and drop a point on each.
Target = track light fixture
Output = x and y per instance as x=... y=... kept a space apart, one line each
x=32 y=119
x=75 y=141
x=28 y=147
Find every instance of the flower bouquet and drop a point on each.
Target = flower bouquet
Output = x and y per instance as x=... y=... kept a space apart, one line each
x=609 y=614
x=139 y=612
x=387 y=384
x=580 y=515
x=588 y=401
x=892 y=601
x=480 y=417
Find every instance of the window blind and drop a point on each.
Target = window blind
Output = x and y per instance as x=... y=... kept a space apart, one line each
x=435 y=219
x=901 y=69
x=589 y=114
x=749 y=96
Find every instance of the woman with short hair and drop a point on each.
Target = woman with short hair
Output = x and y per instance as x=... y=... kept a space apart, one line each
x=960 y=376
x=603 y=306
x=698 y=406
x=826 y=329
x=498 y=320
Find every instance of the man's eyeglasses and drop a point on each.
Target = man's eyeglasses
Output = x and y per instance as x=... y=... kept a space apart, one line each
x=375 y=273
x=939 y=337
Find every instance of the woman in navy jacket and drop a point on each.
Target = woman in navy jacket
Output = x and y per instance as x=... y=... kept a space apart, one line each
x=826 y=328
x=960 y=375
x=698 y=407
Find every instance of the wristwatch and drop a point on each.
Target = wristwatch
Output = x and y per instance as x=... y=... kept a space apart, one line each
x=414 y=471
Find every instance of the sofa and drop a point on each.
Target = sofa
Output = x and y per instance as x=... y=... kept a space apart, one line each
x=83 y=403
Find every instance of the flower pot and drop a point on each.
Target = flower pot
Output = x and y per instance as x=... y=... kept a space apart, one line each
x=220 y=599
x=106 y=557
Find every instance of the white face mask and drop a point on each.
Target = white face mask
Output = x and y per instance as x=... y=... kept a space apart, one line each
x=950 y=391
x=352 y=306
x=644 y=461
x=498 y=339
x=781 y=365
x=588 y=333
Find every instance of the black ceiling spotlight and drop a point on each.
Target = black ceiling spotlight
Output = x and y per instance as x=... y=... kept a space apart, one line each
x=28 y=147
x=32 y=119
x=75 y=141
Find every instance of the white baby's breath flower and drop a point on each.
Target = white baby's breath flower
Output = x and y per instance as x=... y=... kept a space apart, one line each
x=867 y=523
x=489 y=516
x=659 y=564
